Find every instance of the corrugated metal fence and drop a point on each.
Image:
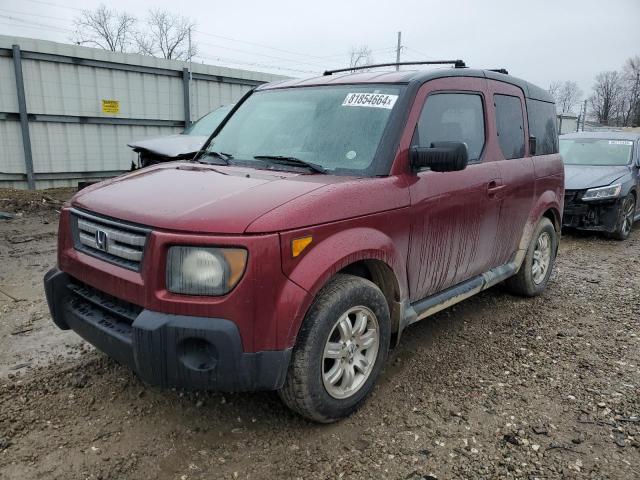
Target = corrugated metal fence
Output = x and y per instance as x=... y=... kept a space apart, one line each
x=67 y=112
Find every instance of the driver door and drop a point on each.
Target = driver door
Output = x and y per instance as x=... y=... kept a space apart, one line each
x=454 y=215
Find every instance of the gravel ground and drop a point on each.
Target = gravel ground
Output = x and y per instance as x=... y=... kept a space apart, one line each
x=496 y=387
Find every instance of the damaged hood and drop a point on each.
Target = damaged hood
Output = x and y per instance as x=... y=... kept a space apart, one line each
x=580 y=177
x=195 y=197
x=171 y=146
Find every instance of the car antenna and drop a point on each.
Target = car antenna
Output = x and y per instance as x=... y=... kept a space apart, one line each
x=455 y=63
x=499 y=70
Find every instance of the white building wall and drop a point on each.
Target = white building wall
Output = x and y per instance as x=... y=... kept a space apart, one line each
x=76 y=91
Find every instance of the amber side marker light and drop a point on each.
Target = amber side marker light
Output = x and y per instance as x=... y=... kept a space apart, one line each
x=299 y=244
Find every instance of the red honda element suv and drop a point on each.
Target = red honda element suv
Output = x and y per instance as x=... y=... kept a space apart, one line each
x=322 y=218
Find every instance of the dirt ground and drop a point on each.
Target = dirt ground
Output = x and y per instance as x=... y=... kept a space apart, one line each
x=496 y=387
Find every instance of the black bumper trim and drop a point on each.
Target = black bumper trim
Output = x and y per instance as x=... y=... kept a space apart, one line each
x=168 y=350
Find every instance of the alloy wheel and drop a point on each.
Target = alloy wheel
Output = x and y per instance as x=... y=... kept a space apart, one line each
x=350 y=352
x=627 y=220
x=541 y=258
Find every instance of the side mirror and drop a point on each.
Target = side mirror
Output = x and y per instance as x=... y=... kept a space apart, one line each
x=533 y=143
x=440 y=157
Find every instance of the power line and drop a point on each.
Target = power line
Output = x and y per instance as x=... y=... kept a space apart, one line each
x=52 y=4
x=253 y=64
x=37 y=15
x=420 y=53
x=30 y=22
x=255 y=44
x=295 y=61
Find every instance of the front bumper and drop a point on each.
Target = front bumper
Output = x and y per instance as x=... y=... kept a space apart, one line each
x=601 y=216
x=163 y=349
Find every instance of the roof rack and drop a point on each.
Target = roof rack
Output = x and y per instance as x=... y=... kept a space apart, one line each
x=499 y=70
x=455 y=63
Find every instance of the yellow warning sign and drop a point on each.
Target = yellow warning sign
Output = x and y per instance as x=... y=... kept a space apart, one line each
x=110 y=106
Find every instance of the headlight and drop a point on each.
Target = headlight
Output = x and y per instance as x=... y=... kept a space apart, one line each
x=204 y=270
x=602 y=193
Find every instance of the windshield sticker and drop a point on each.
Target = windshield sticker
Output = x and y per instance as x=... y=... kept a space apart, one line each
x=371 y=100
x=620 y=142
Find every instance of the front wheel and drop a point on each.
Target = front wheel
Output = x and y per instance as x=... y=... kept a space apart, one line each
x=534 y=273
x=340 y=351
x=625 y=218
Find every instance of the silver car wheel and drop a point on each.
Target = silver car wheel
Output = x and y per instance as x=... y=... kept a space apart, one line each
x=627 y=219
x=350 y=352
x=541 y=258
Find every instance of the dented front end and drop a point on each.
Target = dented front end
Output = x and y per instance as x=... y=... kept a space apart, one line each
x=601 y=216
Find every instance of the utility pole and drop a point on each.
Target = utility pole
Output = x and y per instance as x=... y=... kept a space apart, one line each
x=584 y=114
x=398 y=49
x=635 y=113
x=189 y=52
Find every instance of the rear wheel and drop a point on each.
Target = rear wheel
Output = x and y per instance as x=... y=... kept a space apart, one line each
x=340 y=351
x=534 y=273
x=625 y=218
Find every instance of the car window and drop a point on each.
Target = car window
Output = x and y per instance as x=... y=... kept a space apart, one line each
x=452 y=117
x=337 y=127
x=510 y=125
x=595 y=151
x=207 y=124
x=542 y=125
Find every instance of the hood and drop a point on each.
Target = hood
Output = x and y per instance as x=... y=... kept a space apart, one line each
x=194 y=197
x=171 y=146
x=580 y=177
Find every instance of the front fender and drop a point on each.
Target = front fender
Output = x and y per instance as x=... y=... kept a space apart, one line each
x=332 y=251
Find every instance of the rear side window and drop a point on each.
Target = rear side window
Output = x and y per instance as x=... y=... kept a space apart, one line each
x=542 y=125
x=452 y=117
x=510 y=124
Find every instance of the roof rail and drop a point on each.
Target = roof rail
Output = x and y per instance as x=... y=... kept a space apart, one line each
x=499 y=70
x=455 y=63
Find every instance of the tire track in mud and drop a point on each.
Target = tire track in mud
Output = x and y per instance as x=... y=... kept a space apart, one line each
x=497 y=386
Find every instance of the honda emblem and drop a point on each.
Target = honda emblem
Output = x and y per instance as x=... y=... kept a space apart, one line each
x=102 y=240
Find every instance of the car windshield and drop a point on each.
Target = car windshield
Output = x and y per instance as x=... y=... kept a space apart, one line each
x=337 y=129
x=595 y=151
x=207 y=124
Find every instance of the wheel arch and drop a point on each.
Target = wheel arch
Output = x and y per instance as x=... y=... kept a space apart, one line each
x=364 y=252
x=383 y=276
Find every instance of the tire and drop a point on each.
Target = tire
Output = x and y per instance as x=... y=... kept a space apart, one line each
x=529 y=282
x=307 y=389
x=624 y=224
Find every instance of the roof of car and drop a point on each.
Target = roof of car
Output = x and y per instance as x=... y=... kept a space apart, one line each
x=409 y=76
x=606 y=134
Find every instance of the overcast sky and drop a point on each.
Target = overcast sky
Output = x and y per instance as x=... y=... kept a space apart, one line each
x=538 y=40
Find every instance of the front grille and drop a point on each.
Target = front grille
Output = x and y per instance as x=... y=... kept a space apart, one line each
x=572 y=196
x=91 y=298
x=110 y=240
x=107 y=313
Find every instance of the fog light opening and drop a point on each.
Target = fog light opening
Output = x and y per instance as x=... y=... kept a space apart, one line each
x=198 y=354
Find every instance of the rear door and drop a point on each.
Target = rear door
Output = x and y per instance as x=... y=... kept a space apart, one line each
x=454 y=214
x=515 y=168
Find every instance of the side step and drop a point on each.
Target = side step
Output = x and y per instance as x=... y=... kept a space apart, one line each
x=435 y=303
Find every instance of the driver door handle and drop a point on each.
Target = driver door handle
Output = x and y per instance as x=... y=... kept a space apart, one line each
x=494 y=187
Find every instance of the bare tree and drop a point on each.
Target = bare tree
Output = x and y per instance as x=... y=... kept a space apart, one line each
x=554 y=90
x=607 y=98
x=167 y=36
x=566 y=95
x=360 y=56
x=631 y=78
x=104 y=28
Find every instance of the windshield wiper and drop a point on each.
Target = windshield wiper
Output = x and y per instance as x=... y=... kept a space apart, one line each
x=292 y=161
x=225 y=157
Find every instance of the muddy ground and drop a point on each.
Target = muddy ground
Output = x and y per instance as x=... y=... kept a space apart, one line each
x=496 y=387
